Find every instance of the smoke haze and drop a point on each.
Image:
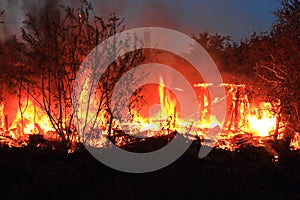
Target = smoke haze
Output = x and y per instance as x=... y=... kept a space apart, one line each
x=232 y=17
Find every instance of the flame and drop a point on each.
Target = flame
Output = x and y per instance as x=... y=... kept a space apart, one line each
x=167 y=104
x=262 y=121
x=295 y=142
x=34 y=121
x=246 y=123
x=163 y=120
x=167 y=112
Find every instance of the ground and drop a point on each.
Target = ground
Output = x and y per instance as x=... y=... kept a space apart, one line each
x=250 y=173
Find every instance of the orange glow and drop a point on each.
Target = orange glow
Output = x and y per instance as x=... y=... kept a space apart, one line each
x=164 y=119
x=261 y=120
x=295 y=142
x=246 y=123
x=35 y=121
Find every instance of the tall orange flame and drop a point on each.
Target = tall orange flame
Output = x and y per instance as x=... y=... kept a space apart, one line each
x=245 y=122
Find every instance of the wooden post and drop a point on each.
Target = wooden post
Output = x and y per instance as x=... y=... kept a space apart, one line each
x=6 y=122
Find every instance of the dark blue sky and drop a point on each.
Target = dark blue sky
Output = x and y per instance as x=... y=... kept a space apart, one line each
x=236 y=18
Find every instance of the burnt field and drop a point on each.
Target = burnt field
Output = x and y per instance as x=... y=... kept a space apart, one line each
x=247 y=173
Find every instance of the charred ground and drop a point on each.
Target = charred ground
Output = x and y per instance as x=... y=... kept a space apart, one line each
x=249 y=173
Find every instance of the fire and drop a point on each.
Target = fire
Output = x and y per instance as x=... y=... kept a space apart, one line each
x=168 y=106
x=295 y=142
x=164 y=118
x=246 y=123
x=262 y=122
x=33 y=121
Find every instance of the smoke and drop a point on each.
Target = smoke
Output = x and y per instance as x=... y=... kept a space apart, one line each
x=232 y=17
x=38 y=8
x=15 y=14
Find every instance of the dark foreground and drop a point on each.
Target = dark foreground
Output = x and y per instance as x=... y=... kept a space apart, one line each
x=248 y=174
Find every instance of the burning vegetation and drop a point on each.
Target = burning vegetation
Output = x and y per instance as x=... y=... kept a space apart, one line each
x=43 y=64
x=256 y=147
x=246 y=123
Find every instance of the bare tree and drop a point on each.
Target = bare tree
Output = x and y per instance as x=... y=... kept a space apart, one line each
x=277 y=63
x=55 y=45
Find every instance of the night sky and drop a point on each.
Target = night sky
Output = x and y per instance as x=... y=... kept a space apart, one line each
x=236 y=18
